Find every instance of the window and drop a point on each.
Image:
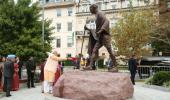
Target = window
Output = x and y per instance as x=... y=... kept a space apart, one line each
x=113 y=0
x=114 y=6
x=83 y=8
x=113 y=22
x=58 y=42
x=99 y=5
x=58 y=27
x=121 y=0
x=57 y=0
x=69 y=55
x=68 y=0
x=146 y=1
x=58 y=12
x=69 y=41
x=47 y=1
x=128 y=5
x=69 y=26
x=70 y=11
x=168 y=5
x=91 y=24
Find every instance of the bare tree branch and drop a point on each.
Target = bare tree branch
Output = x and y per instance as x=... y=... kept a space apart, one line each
x=163 y=40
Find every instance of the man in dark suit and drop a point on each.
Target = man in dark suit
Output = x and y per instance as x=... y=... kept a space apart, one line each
x=20 y=64
x=132 y=63
x=31 y=66
x=8 y=74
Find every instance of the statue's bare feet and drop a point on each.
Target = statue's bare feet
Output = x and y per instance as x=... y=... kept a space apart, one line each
x=87 y=68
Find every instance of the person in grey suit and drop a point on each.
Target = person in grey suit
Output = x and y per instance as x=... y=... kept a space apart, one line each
x=8 y=74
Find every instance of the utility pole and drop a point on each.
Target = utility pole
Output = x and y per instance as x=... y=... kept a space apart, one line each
x=43 y=3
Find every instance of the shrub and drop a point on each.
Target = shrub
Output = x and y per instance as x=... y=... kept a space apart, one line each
x=160 y=78
x=166 y=84
x=101 y=63
x=149 y=80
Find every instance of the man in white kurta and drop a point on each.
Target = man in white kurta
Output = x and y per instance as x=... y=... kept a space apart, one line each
x=50 y=70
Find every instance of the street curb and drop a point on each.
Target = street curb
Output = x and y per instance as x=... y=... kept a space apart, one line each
x=157 y=87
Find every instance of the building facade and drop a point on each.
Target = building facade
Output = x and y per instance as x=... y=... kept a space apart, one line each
x=62 y=15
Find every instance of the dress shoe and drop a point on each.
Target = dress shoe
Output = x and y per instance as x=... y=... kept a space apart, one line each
x=8 y=95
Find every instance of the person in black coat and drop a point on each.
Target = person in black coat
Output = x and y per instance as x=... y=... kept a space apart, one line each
x=20 y=63
x=132 y=63
x=30 y=66
x=8 y=74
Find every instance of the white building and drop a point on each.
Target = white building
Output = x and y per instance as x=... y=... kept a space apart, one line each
x=62 y=14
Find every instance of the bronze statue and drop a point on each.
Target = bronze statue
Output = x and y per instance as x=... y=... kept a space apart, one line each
x=104 y=37
x=91 y=43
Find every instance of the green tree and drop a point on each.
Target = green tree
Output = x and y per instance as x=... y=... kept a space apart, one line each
x=21 y=29
x=161 y=34
x=132 y=31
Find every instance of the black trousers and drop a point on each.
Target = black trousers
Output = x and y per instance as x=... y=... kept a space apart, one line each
x=30 y=79
x=19 y=72
x=7 y=85
x=133 y=73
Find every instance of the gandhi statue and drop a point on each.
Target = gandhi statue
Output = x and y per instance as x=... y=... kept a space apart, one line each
x=104 y=37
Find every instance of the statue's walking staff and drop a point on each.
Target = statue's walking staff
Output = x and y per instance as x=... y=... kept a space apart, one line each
x=81 y=53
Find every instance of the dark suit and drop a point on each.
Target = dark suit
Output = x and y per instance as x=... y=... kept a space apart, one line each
x=8 y=76
x=30 y=72
x=20 y=63
x=132 y=63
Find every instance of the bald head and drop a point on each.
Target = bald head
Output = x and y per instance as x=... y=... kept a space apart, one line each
x=93 y=8
x=55 y=53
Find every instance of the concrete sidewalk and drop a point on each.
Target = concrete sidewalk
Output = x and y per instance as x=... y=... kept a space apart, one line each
x=29 y=94
x=140 y=93
x=144 y=93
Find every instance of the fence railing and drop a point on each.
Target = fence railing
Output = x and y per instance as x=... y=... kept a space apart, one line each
x=147 y=71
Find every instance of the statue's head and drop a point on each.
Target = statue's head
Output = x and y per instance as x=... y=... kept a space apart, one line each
x=93 y=8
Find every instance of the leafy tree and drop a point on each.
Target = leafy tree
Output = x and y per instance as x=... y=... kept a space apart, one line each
x=21 y=30
x=161 y=34
x=132 y=31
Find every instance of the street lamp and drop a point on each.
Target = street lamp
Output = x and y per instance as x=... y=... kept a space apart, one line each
x=43 y=3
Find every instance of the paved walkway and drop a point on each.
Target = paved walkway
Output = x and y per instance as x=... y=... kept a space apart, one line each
x=143 y=93
x=140 y=93
x=29 y=94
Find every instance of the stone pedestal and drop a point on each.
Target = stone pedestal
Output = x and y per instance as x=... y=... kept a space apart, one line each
x=91 y=85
